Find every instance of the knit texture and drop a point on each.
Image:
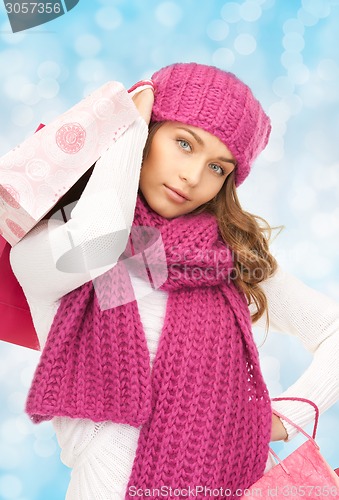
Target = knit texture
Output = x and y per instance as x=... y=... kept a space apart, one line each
x=205 y=410
x=216 y=101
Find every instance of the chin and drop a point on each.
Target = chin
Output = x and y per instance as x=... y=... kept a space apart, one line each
x=162 y=209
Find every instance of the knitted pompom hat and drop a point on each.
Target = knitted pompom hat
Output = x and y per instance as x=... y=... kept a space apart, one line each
x=216 y=101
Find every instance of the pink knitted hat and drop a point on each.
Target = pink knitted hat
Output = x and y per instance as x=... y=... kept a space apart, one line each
x=216 y=101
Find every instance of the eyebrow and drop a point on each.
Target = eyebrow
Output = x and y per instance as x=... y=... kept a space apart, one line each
x=201 y=142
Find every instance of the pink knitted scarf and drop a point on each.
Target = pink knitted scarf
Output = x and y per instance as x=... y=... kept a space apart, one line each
x=204 y=408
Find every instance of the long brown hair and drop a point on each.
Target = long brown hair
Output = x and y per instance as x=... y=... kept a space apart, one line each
x=246 y=234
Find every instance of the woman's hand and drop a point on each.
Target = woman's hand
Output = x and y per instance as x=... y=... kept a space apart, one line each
x=278 y=430
x=144 y=102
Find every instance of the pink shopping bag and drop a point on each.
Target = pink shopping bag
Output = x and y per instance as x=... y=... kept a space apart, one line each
x=38 y=172
x=303 y=474
x=16 y=325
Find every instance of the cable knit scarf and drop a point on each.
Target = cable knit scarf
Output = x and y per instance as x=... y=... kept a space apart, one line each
x=204 y=408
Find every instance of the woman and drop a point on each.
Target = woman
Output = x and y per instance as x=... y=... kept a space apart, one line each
x=151 y=372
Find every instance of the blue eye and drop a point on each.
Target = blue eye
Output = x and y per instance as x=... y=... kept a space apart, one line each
x=184 y=144
x=221 y=170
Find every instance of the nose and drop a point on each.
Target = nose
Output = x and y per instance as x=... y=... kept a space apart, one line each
x=191 y=173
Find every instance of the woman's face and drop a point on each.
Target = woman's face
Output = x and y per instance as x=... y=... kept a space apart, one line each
x=186 y=167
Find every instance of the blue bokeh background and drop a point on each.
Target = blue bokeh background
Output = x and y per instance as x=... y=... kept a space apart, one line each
x=288 y=53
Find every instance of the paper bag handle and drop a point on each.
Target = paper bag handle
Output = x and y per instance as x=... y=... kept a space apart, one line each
x=312 y=438
x=304 y=400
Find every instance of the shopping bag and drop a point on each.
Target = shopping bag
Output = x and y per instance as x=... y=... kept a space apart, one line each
x=303 y=474
x=16 y=325
x=38 y=172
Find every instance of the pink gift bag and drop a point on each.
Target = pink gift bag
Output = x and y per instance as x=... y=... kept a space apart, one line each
x=16 y=325
x=15 y=318
x=38 y=172
x=303 y=474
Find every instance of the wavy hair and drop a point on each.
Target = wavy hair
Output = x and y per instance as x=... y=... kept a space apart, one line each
x=247 y=235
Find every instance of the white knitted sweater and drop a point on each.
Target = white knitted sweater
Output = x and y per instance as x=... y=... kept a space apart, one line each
x=101 y=455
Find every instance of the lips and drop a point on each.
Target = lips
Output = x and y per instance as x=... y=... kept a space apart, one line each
x=180 y=193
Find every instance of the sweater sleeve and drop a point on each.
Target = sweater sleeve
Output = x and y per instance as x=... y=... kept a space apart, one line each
x=299 y=310
x=101 y=456
x=56 y=257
